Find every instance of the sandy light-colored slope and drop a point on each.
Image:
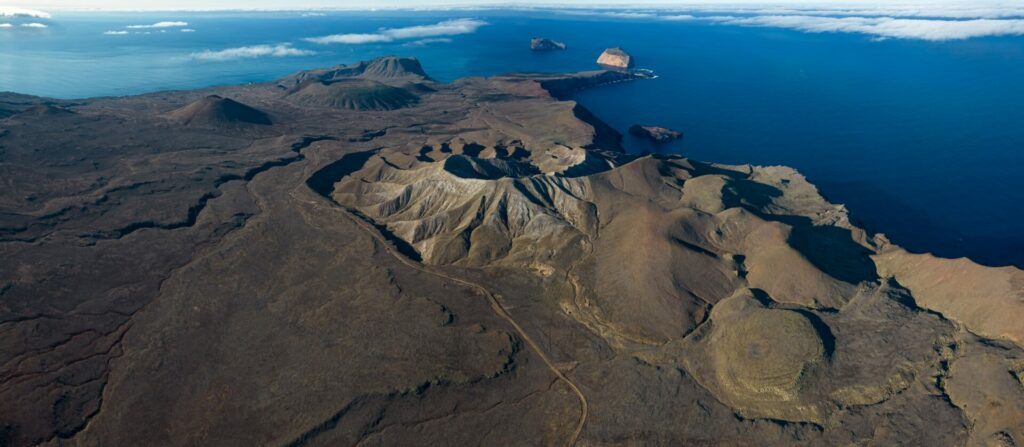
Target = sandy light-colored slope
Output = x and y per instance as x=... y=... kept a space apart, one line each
x=989 y=301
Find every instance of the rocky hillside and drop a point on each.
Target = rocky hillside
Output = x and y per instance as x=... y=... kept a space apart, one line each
x=214 y=111
x=352 y=94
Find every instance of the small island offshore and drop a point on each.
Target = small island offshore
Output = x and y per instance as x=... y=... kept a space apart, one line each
x=655 y=134
x=363 y=255
x=545 y=44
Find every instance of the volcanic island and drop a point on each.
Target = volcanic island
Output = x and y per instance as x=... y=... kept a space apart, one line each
x=364 y=255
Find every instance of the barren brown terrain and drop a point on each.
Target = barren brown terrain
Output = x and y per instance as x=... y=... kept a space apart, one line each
x=361 y=255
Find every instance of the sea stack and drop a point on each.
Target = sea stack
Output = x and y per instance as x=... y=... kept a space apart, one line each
x=545 y=44
x=656 y=134
x=615 y=58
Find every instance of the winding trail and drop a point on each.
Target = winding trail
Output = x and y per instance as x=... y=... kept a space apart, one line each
x=496 y=305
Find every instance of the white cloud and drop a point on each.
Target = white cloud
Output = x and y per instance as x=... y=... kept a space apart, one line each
x=351 y=38
x=9 y=11
x=188 y=30
x=615 y=14
x=34 y=25
x=115 y=33
x=934 y=22
x=446 y=28
x=884 y=27
x=950 y=10
x=961 y=9
x=159 y=25
x=5 y=25
x=249 y=52
x=428 y=41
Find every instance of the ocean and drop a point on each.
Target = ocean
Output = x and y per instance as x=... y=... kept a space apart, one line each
x=921 y=140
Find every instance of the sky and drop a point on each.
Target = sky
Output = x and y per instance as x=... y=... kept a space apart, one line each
x=156 y=5
x=933 y=21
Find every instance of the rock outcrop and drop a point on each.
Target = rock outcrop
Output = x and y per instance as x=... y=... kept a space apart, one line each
x=656 y=134
x=615 y=58
x=545 y=44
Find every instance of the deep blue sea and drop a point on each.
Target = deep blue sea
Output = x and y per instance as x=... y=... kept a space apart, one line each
x=923 y=141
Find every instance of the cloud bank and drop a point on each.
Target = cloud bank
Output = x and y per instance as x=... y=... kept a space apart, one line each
x=9 y=11
x=350 y=38
x=884 y=27
x=428 y=41
x=159 y=25
x=33 y=25
x=615 y=14
x=446 y=28
x=934 y=10
x=251 y=52
x=931 y=22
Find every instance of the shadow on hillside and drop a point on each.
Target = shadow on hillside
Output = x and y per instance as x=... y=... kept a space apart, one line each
x=829 y=248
